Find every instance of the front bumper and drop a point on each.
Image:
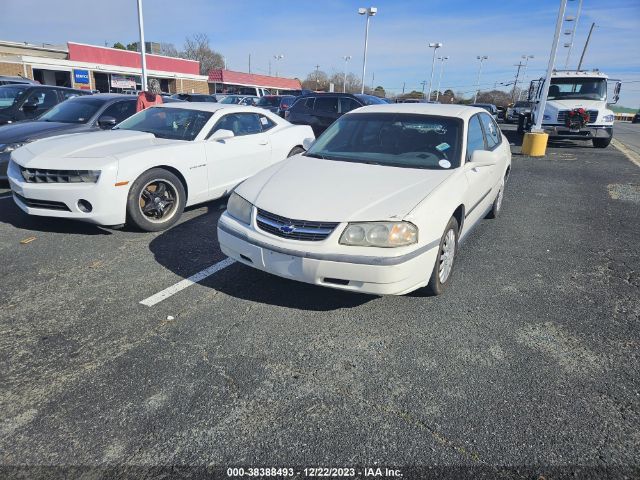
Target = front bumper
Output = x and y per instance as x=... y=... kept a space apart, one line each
x=60 y=200
x=585 y=133
x=377 y=275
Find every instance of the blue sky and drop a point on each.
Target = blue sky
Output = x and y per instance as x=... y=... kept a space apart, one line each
x=321 y=32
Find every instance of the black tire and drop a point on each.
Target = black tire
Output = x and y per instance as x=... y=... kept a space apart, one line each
x=497 y=202
x=436 y=285
x=522 y=122
x=295 y=151
x=149 y=214
x=601 y=142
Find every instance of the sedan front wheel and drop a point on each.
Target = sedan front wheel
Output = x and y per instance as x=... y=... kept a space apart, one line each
x=156 y=200
x=445 y=260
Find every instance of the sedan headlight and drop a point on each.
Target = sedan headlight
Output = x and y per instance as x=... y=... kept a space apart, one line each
x=10 y=147
x=239 y=208
x=608 y=118
x=380 y=234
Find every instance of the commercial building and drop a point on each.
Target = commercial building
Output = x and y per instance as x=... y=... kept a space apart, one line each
x=111 y=70
x=98 y=68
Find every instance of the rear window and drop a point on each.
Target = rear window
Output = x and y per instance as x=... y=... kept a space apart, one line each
x=268 y=101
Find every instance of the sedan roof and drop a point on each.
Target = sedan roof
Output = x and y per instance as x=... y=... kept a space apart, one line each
x=460 y=111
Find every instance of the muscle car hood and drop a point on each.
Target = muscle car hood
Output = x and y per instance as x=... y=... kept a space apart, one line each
x=305 y=188
x=110 y=143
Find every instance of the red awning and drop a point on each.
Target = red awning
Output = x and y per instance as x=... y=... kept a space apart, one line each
x=125 y=58
x=249 y=79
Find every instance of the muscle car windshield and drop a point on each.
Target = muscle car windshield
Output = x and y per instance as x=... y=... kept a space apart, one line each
x=170 y=123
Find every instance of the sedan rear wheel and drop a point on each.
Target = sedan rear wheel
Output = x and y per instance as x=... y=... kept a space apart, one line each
x=445 y=260
x=156 y=200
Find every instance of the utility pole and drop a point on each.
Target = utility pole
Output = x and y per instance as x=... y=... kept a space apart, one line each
x=403 y=85
x=573 y=34
x=586 y=44
x=317 y=79
x=515 y=83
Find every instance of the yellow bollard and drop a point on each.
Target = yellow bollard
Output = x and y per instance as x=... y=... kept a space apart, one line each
x=535 y=144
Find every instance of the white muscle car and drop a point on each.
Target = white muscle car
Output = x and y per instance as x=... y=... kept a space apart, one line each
x=152 y=165
x=377 y=204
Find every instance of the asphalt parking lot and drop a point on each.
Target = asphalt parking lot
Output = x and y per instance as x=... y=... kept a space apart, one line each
x=531 y=358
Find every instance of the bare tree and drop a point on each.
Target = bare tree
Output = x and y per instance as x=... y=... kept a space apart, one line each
x=168 y=50
x=316 y=80
x=197 y=48
x=353 y=82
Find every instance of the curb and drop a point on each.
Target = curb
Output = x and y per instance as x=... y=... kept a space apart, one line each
x=630 y=154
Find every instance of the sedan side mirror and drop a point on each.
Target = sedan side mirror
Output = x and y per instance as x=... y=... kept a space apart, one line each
x=107 y=122
x=221 y=134
x=307 y=142
x=483 y=158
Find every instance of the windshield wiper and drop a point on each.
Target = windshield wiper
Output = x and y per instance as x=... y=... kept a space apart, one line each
x=315 y=155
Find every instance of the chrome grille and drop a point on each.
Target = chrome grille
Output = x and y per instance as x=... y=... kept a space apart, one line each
x=46 y=204
x=41 y=175
x=294 y=229
x=562 y=115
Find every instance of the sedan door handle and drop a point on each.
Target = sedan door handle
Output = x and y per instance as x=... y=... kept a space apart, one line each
x=263 y=142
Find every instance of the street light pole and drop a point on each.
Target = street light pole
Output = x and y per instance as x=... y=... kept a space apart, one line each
x=346 y=58
x=278 y=57
x=142 y=49
x=482 y=59
x=442 y=59
x=552 y=60
x=369 y=12
x=573 y=34
x=435 y=46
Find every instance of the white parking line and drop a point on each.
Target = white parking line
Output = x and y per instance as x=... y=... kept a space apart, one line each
x=187 y=282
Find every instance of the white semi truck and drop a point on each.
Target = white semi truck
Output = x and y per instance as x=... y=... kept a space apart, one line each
x=576 y=107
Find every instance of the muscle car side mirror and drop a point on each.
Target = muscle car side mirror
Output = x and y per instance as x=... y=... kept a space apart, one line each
x=307 y=142
x=106 y=121
x=221 y=134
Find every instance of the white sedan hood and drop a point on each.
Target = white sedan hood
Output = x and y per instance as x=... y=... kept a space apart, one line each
x=305 y=188
x=60 y=151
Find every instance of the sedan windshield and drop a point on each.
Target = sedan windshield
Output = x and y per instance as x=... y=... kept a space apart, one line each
x=578 y=88
x=170 y=123
x=10 y=94
x=392 y=139
x=73 y=111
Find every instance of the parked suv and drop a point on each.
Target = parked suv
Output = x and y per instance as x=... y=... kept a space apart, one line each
x=277 y=104
x=77 y=115
x=520 y=107
x=319 y=110
x=25 y=101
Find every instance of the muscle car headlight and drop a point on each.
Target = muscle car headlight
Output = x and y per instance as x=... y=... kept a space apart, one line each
x=10 y=147
x=380 y=234
x=608 y=118
x=239 y=208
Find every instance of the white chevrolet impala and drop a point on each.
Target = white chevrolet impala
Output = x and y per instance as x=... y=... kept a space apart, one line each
x=378 y=204
x=152 y=165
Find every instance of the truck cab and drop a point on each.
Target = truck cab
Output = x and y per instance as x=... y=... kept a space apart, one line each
x=576 y=107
